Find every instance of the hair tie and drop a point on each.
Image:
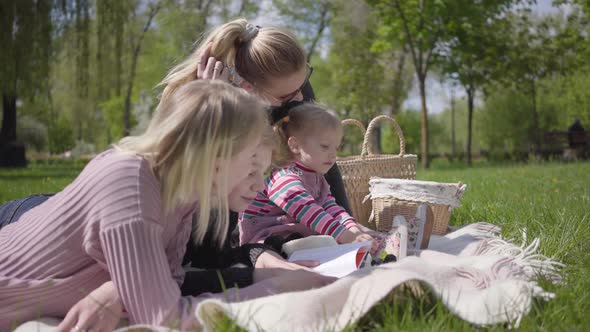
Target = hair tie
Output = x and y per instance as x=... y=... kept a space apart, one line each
x=285 y=119
x=280 y=112
x=234 y=77
x=250 y=32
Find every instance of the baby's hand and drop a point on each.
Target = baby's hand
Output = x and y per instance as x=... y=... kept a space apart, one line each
x=361 y=237
x=355 y=230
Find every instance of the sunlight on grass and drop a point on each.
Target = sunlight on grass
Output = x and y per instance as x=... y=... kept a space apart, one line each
x=549 y=200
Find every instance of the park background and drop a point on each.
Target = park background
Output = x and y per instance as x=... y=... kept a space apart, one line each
x=495 y=76
x=475 y=85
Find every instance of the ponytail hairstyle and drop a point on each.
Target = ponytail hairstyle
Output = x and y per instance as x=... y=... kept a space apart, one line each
x=198 y=124
x=303 y=119
x=252 y=53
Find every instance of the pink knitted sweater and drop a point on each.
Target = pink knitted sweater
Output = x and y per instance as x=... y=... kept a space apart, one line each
x=108 y=224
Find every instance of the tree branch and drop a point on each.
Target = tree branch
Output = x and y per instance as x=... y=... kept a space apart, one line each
x=408 y=35
x=324 y=21
x=137 y=48
x=431 y=49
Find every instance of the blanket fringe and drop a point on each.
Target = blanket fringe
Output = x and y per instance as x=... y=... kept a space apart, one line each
x=525 y=256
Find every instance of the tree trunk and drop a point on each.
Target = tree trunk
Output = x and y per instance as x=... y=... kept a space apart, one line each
x=324 y=21
x=470 y=96
x=398 y=83
x=8 y=133
x=424 y=131
x=453 y=146
x=12 y=153
x=137 y=49
x=535 y=134
x=119 y=30
x=376 y=140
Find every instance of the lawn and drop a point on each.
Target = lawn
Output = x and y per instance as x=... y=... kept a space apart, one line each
x=550 y=200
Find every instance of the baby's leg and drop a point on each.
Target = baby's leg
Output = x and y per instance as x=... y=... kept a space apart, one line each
x=394 y=242
x=407 y=237
x=420 y=228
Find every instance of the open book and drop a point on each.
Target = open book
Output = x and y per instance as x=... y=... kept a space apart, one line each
x=335 y=261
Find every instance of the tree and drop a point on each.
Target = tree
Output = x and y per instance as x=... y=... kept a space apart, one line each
x=352 y=77
x=470 y=46
x=136 y=46
x=532 y=55
x=310 y=19
x=25 y=36
x=419 y=25
x=357 y=73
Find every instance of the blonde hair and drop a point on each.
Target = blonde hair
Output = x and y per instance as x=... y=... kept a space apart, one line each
x=256 y=54
x=198 y=124
x=304 y=119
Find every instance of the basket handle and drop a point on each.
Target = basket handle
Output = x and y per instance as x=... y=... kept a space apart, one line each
x=356 y=123
x=368 y=148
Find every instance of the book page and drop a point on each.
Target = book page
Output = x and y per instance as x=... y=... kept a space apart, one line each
x=336 y=261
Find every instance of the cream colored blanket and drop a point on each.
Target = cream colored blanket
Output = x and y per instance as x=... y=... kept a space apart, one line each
x=480 y=277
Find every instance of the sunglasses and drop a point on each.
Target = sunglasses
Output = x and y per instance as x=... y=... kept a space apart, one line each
x=289 y=97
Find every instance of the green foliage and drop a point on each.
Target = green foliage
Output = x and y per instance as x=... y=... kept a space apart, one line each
x=309 y=18
x=25 y=36
x=409 y=121
x=82 y=148
x=32 y=132
x=112 y=111
x=505 y=122
x=568 y=97
x=75 y=58
x=61 y=135
x=418 y=25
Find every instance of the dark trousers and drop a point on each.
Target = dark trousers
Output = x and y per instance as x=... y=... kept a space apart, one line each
x=11 y=211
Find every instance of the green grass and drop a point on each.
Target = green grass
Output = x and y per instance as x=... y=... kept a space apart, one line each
x=38 y=178
x=550 y=200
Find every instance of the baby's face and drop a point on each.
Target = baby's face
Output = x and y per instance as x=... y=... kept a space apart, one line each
x=318 y=150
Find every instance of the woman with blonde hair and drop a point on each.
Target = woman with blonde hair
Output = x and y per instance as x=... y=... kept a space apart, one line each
x=268 y=62
x=121 y=227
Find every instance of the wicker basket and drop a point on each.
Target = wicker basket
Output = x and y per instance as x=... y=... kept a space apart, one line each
x=357 y=170
x=391 y=197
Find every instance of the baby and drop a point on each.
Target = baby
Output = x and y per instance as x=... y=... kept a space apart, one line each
x=296 y=201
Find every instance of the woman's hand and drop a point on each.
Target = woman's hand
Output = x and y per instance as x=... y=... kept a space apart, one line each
x=208 y=68
x=355 y=230
x=299 y=280
x=269 y=264
x=100 y=311
x=288 y=276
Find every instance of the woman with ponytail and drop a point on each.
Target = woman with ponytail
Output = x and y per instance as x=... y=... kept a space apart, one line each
x=271 y=63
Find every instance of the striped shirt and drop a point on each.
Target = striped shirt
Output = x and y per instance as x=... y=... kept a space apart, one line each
x=294 y=196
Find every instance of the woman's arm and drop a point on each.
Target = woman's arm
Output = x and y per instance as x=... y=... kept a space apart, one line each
x=101 y=310
x=213 y=268
x=139 y=268
x=197 y=282
x=334 y=179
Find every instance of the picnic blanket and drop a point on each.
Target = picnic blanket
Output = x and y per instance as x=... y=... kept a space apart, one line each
x=477 y=275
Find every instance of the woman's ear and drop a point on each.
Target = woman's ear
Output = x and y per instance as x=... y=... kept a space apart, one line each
x=293 y=144
x=249 y=87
